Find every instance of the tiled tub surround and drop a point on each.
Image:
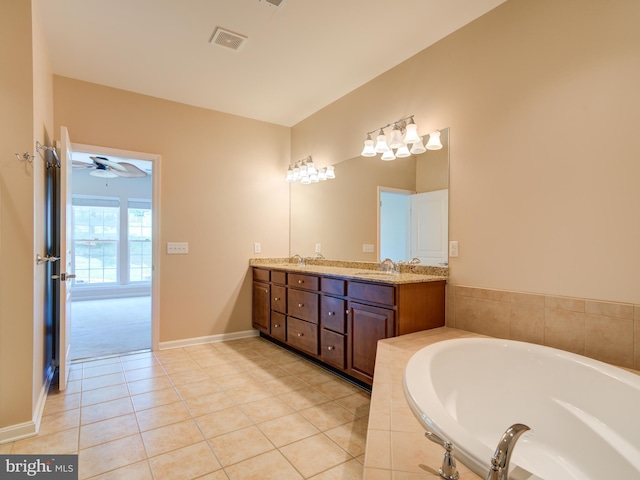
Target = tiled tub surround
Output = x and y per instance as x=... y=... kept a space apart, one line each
x=606 y=331
x=396 y=448
x=236 y=410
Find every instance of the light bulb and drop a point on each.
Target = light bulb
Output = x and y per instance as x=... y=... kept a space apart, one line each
x=403 y=151
x=418 y=147
x=396 y=138
x=411 y=135
x=434 y=141
x=388 y=155
x=368 y=150
x=381 y=144
x=331 y=174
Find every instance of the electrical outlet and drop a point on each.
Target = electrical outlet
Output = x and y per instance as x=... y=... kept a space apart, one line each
x=318 y=247
x=177 y=248
x=453 y=248
x=257 y=248
x=367 y=248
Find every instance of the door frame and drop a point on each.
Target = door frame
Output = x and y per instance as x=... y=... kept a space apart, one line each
x=155 y=215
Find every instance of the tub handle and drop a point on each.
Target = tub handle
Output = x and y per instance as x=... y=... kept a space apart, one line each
x=448 y=471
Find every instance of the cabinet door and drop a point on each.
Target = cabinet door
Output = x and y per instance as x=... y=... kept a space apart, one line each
x=261 y=315
x=366 y=325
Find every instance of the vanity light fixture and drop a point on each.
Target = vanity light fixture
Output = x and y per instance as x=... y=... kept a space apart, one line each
x=305 y=171
x=403 y=134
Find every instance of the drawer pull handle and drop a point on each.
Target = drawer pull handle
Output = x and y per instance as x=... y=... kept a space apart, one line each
x=301 y=305
x=329 y=348
x=301 y=334
x=276 y=326
x=331 y=314
x=300 y=281
x=347 y=312
x=275 y=299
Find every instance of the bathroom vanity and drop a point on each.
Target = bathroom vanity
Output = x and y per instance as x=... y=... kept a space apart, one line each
x=337 y=315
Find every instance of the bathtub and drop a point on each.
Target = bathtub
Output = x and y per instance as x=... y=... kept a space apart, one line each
x=584 y=415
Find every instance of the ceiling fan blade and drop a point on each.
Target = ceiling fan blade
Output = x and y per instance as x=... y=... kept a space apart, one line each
x=79 y=164
x=130 y=171
x=108 y=163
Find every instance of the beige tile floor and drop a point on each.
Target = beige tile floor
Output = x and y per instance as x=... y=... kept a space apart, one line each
x=243 y=409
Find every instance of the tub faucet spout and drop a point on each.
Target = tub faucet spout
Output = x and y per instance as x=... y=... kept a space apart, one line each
x=499 y=469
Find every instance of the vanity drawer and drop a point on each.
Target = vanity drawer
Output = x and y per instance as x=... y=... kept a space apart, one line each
x=333 y=286
x=261 y=275
x=383 y=294
x=306 y=282
x=302 y=335
x=304 y=305
x=332 y=314
x=279 y=298
x=279 y=277
x=279 y=326
x=332 y=348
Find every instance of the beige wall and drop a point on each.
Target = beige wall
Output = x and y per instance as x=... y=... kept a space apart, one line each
x=222 y=189
x=543 y=104
x=26 y=115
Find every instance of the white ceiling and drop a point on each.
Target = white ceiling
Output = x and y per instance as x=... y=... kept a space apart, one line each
x=298 y=58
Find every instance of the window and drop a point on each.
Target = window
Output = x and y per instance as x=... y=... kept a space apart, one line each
x=96 y=240
x=112 y=244
x=139 y=230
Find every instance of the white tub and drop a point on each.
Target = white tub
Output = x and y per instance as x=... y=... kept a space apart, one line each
x=584 y=415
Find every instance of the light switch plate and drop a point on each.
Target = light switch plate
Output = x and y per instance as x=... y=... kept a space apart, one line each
x=177 y=248
x=453 y=248
x=318 y=247
x=367 y=248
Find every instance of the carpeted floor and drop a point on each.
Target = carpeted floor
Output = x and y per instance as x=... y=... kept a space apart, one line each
x=112 y=326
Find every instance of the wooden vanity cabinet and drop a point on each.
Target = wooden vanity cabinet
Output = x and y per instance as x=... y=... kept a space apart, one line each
x=261 y=307
x=339 y=321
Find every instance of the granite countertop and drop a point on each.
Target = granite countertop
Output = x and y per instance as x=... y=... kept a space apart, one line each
x=357 y=270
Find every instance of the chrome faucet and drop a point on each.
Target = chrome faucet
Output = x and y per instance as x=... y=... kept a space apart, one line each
x=448 y=471
x=414 y=261
x=387 y=266
x=499 y=469
x=300 y=259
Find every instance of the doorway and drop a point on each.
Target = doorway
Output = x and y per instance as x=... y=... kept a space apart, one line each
x=112 y=252
x=413 y=225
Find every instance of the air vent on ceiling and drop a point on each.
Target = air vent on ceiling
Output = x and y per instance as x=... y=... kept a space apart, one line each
x=228 y=39
x=275 y=3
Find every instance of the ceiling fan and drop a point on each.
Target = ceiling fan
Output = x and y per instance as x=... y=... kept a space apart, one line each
x=105 y=168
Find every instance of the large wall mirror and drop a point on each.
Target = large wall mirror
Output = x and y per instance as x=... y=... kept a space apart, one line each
x=375 y=209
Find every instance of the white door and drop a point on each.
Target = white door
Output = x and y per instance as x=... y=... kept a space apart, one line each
x=64 y=334
x=430 y=227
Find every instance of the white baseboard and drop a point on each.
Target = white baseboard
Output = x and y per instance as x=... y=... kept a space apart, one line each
x=17 y=432
x=42 y=398
x=187 y=342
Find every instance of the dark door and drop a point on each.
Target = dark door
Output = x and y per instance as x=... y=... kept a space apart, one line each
x=52 y=249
